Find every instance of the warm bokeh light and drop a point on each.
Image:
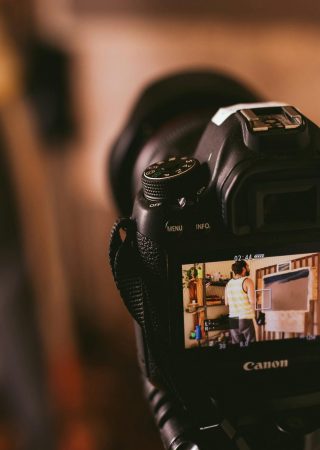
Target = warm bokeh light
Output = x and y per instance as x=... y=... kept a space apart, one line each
x=70 y=73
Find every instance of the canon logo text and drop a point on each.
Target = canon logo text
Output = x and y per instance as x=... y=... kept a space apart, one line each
x=263 y=365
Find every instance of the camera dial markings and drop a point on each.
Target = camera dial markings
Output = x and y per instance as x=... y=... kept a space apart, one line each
x=175 y=178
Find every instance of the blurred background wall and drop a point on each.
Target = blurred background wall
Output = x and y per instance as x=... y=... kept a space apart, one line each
x=80 y=66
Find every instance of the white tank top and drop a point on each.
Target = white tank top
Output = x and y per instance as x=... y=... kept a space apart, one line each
x=238 y=300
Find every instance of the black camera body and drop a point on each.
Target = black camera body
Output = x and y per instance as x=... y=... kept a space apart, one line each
x=221 y=209
x=247 y=199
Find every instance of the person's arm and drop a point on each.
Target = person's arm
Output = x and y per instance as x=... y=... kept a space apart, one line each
x=248 y=286
x=226 y=296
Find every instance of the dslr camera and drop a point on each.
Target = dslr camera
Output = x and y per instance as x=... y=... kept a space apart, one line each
x=219 y=262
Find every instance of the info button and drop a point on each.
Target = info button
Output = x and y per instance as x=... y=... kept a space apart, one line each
x=202 y=227
x=174 y=229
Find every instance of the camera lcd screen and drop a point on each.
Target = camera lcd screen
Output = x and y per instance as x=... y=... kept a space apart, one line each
x=250 y=299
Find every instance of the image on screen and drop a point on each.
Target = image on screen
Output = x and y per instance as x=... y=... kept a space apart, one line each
x=250 y=299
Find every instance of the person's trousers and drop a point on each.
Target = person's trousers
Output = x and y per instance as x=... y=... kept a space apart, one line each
x=245 y=331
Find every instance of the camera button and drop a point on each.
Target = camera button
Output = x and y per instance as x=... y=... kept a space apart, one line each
x=174 y=228
x=202 y=227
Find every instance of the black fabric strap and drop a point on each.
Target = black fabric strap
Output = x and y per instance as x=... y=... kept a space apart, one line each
x=128 y=272
x=125 y=266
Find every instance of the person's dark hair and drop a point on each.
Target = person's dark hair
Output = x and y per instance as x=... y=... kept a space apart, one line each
x=238 y=266
x=192 y=273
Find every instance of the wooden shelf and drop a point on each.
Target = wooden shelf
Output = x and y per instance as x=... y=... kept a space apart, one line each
x=198 y=310
x=218 y=304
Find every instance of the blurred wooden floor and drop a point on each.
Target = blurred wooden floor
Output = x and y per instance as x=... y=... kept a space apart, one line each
x=112 y=59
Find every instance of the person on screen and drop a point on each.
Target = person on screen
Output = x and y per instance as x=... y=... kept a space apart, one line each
x=192 y=279
x=240 y=296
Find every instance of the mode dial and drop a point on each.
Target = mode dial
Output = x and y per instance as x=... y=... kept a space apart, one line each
x=173 y=178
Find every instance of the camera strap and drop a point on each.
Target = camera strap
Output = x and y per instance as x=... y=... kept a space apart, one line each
x=128 y=272
x=125 y=268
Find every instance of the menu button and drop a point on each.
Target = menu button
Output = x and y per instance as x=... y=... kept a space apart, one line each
x=174 y=228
